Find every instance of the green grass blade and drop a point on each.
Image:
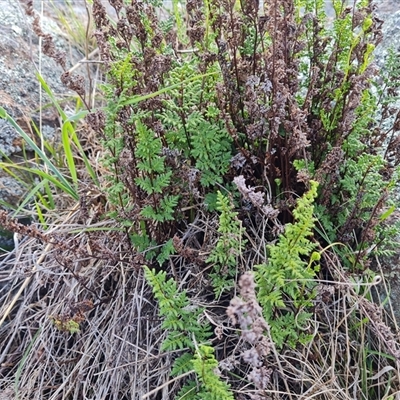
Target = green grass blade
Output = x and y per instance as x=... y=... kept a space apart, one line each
x=78 y=116
x=137 y=99
x=60 y=185
x=46 y=144
x=50 y=197
x=86 y=161
x=66 y=138
x=68 y=128
x=54 y=101
x=6 y=167
x=62 y=182
x=29 y=196
x=40 y=215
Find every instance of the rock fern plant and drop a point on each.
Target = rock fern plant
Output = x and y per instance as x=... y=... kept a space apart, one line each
x=187 y=333
x=285 y=104
x=273 y=96
x=289 y=275
x=225 y=256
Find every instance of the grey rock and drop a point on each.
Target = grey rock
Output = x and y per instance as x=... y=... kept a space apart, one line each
x=20 y=92
x=391 y=36
x=10 y=190
x=9 y=139
x=20 y=60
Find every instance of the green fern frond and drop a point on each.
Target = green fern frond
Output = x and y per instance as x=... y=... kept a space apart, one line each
x=184 y=331
x=288 y=275
x=205 y=365
x=227 y=252
x=181 y=319
x=182 y=364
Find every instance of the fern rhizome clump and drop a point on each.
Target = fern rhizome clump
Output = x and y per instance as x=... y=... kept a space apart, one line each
x=246 y=180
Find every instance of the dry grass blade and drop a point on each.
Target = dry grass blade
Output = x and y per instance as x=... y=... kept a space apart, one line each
x=116 y=349
x=157 y=389
x=9 y=307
